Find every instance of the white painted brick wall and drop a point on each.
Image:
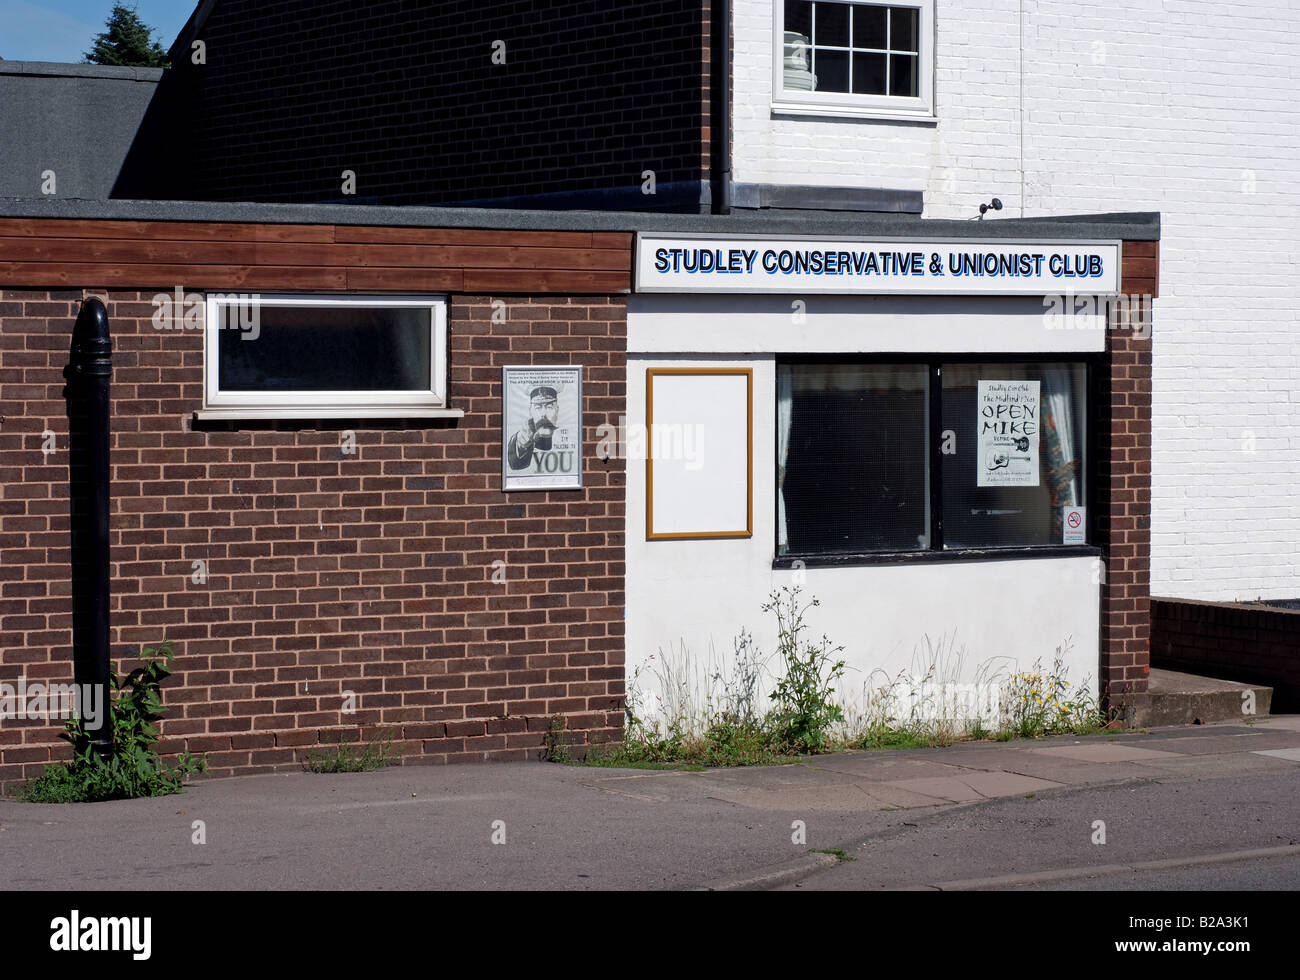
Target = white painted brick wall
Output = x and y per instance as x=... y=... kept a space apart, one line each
x=1186 y=107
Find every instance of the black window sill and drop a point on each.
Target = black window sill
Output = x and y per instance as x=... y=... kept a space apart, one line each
x=928 y=557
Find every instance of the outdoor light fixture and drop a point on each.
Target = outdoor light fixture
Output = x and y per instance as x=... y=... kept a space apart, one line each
x=995 y=204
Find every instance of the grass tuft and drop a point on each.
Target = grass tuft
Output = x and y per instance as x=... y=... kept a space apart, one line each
x=341 y=756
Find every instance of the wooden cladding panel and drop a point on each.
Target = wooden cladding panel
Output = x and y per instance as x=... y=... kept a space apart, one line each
x=79 y=275
x=1140 y=269
x=305 y=254
x=221 y=255
x=176 y=231
x=543 y=281
x=366 y=234
x=147 y=255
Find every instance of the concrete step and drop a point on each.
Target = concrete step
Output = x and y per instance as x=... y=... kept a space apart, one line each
x=1174 y=698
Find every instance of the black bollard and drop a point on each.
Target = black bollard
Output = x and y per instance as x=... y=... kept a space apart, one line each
x=92 y=369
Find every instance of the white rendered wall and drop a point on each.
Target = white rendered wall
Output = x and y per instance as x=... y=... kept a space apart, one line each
x=1186 y=107
x=852 y=324
x=698 y=594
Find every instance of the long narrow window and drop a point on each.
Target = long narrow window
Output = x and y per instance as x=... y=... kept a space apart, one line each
x=297 y=356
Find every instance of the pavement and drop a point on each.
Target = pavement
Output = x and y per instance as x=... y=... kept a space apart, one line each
x=945 y=813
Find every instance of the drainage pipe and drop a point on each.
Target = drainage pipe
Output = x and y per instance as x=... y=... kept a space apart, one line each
x=721 y=91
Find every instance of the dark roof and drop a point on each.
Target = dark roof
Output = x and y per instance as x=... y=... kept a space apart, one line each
x=78 y=120
x=1131 y=226
x=64 y=69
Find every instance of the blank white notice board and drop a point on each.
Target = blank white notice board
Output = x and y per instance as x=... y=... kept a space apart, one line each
x=699 y=453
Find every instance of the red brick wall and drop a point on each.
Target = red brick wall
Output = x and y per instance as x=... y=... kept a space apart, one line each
x=1125 y=524
x=327 y=571
x=1250 y=644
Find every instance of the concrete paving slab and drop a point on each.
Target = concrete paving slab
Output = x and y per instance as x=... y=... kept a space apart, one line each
x=1227 y=743
x=645 y=791
x=1071 y=772
x=939 y=788
x=1289 y=723
x=1183 y=731
x=896 y=796
x=991 y=756
x=844 y=798
x=876 y=766
x=796 y=787
x=1207 y=766
x=947 y=790
x=1105 y=752
x=994 y=784
x=809 y=788
x=662 y=786
x=973 y=786
x=804 y=774
x=1291 y=754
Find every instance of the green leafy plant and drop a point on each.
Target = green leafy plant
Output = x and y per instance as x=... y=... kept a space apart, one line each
x=890 y=738
x=721 y=730
x=976 y=730
x=554 y=748
x=716 y=717
x=804 y=710
x=1041 y=702
x=126 y=766
x=341 y=756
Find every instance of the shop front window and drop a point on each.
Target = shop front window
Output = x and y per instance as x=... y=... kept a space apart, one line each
x=851 y=457
x=1008 y=482
x=930 y=457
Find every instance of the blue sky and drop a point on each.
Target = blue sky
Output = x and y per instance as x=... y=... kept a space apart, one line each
x=61 y=30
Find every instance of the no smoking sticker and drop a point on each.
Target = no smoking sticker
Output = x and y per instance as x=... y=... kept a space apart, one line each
x=1073 y=525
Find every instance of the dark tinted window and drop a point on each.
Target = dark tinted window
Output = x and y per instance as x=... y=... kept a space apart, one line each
x=346 y=348
x=853 y=477
x=1019 y=442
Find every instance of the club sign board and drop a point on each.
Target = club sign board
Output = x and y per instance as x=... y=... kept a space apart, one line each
x=682 y=264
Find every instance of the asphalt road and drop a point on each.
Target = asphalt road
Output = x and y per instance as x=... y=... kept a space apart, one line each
x=1049 y=841
x=1022 y=814
x=416 y=827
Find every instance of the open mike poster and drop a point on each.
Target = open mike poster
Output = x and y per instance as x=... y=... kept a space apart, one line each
x=1010 y=422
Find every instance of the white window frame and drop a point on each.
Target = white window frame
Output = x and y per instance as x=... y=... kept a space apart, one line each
x=218 y=404
x=795 y=102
